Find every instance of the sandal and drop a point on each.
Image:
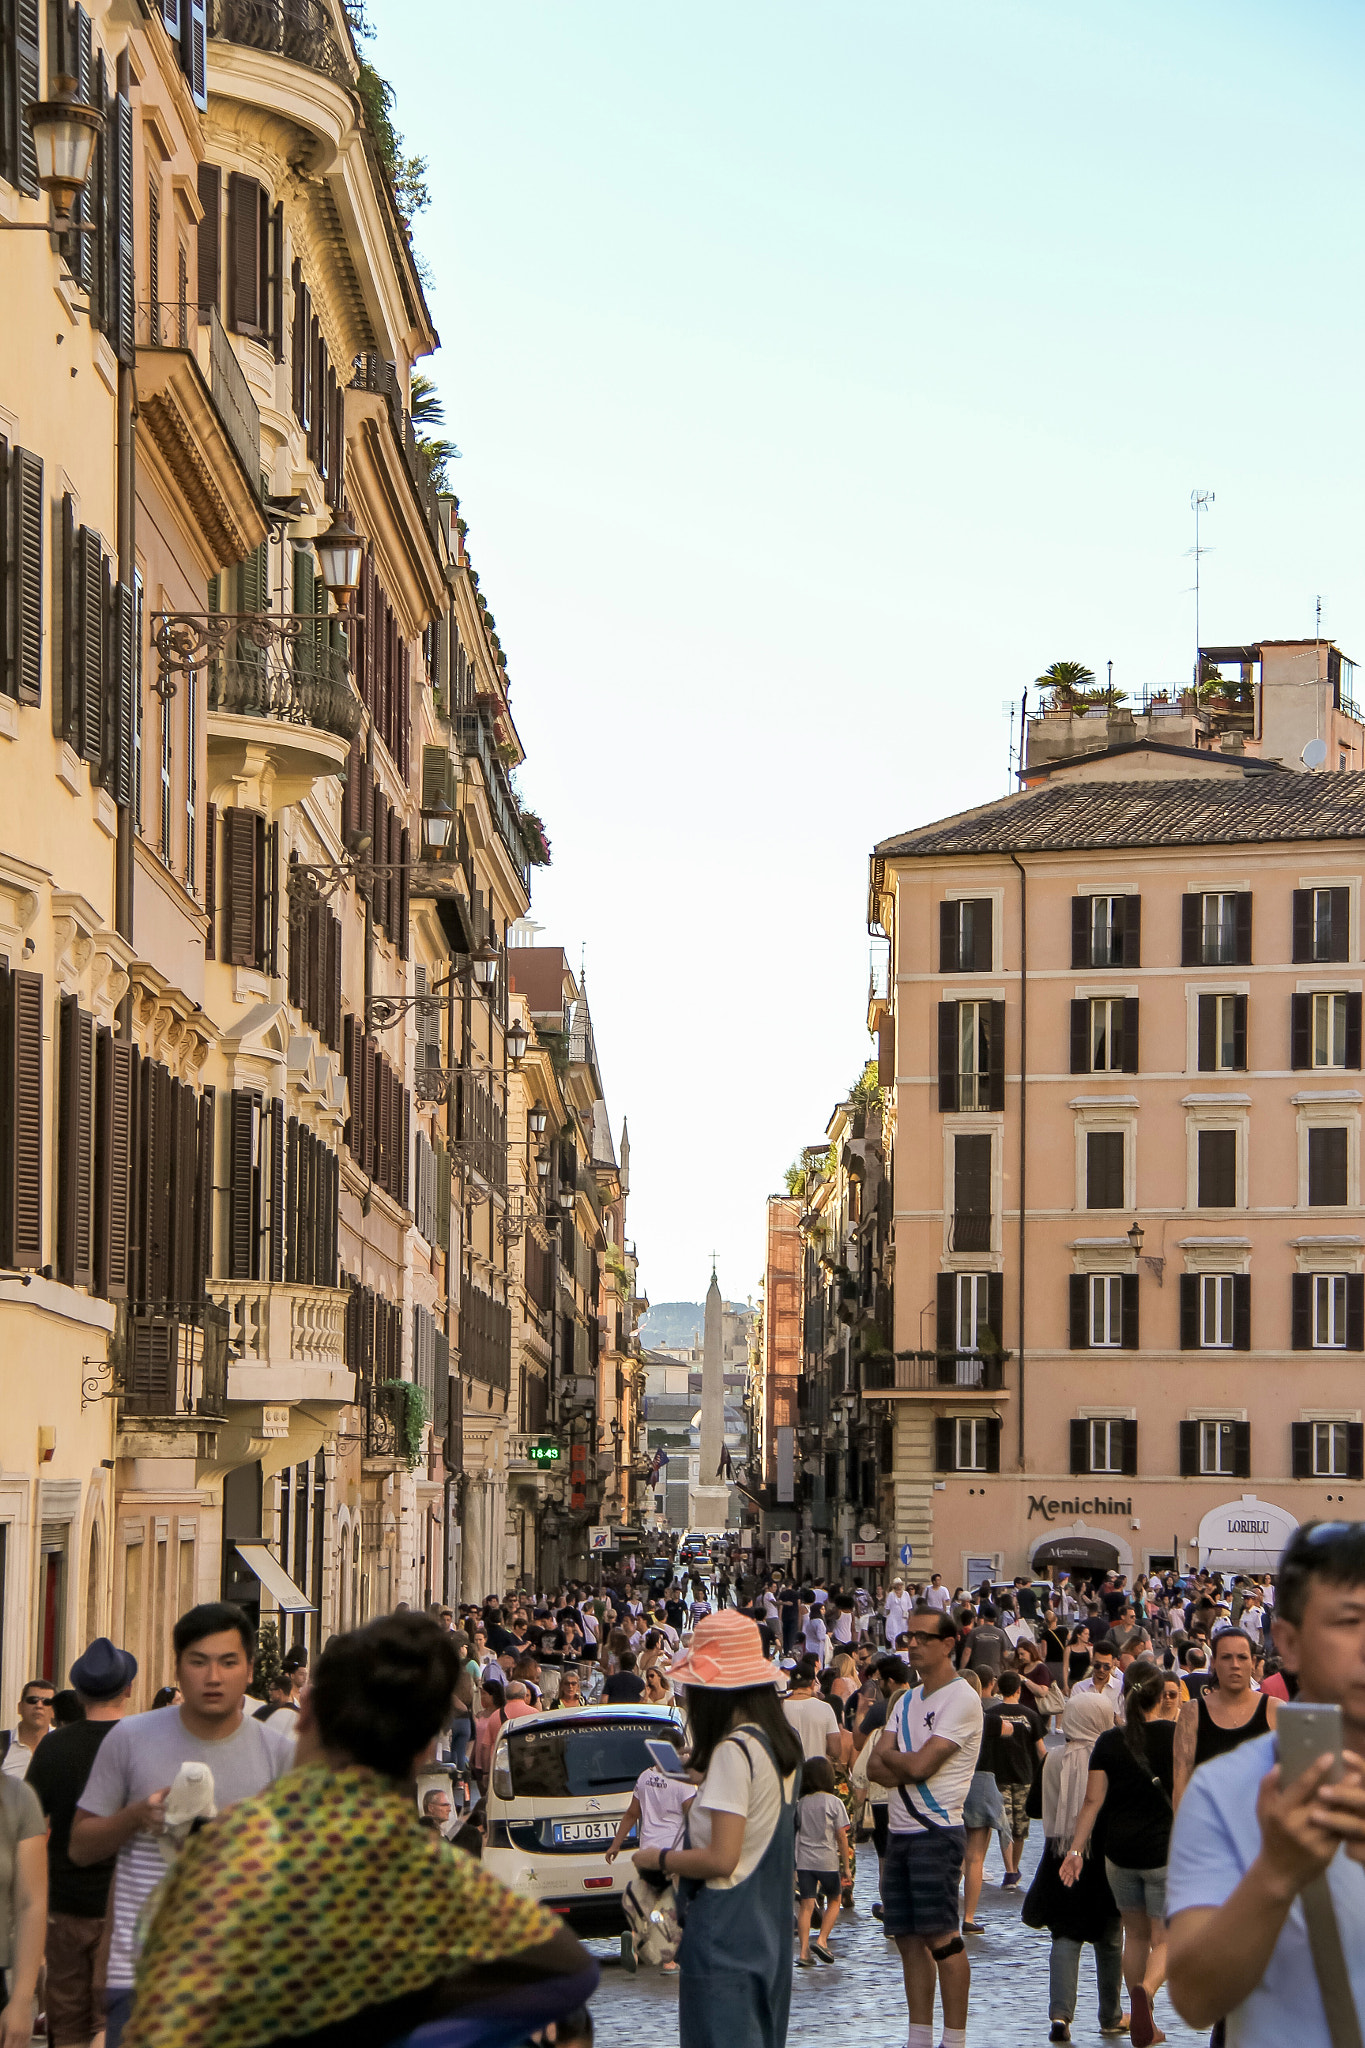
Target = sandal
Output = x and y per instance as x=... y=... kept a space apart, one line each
x=973 y=1927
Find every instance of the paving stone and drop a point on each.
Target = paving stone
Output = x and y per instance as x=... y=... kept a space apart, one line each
x=860 y=1999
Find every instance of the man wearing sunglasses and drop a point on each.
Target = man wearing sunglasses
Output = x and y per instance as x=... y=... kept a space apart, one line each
x=927 y=1757
x=1244 y=1847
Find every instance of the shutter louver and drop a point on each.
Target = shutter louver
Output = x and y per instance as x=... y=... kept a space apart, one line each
x=1355 y=1311
x=1130 y=1431
x=75 y=1145
x=1302 y=948
x=1189 y=1311
x=26 y=516
x=1241 y=1311
x=1300 y=1032
x=1191 y=930
x=203 y=1197
x=94 y=611
x=1080 y=937
x=122 y=682
x=943 y=1443
x=210 y=267
x=1353 y=1030
x=945 y=1333
x=242 y=1162
x=22 y=1151
x=992 y=1443
x=983 y=938
x=1080 y=1445
x=947 y=1056
x=194 y=51
x=1208 y=1032
x=1301 y=1311
x=1130 y=1311
x=404 y=878
x=1244 y=928
x=1189 y=1450
x=886 y=1051
x=948 y=932
x=1080 y=1036
x=239 y=864
x=1239 y=1033
x=113 y=1164
x=1301 y=1450
x=995 y=1307
x=210 y=879
x=1340 y=948
x=1130 y=1035
x=25 y=87
x=1241 y=1450
x=1079 y=1307
x=1132 y=930
x=122 y=328
x=244 y=265
x=1355 y=1450
x=276 y=1129
x=996 y=1093
x=79 y=248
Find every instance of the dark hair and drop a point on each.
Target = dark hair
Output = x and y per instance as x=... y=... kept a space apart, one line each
x=295 y=1659
x=212 y=1618
x=1195 y=1656
x=1331 y=1551
x=1007 y=1685
x=711 y=1714
x=67 y=1708
x=380 y=1693
x=1239 y=1633
x=165 y=1698
x=817 y=1775
x=806 y=1672
x=947 y=1625
x=628 y=1660
x=1143 y=1686
x=894 y=1668
x=45 y=1683
x=1106 y=1647
x=987 y=1611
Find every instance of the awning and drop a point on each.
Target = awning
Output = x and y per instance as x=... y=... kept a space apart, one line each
x=1090 y=1552
x=257 y=1558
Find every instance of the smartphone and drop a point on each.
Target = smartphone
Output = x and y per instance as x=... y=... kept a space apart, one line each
x=667 y=1757
x=1303 y=1733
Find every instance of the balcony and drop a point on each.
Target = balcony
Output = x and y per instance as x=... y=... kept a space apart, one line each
x=519 y=1447
x=475 y=742
x=936 y=1373
x=277 y=691
x=375 y=374
x=481 y=1133
x=298 y=30
x=969 y=1232
x=173 y=1384
x=288 y=1343
x=975 y=1091
x=199 y=424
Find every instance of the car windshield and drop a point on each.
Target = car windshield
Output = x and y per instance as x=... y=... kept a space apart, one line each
x=588 y=1758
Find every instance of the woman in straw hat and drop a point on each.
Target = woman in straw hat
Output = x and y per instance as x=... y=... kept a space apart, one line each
x=737 y=1869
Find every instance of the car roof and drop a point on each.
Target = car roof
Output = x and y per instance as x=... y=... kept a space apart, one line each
x=567 y=1717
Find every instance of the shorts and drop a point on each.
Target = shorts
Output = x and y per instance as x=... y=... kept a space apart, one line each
x=77 y=1952
x=1015 y=1798
x=1137 y=1891
x=920 y=1882
x=983 y=1807
x=881 y=1826
x=819 y=1884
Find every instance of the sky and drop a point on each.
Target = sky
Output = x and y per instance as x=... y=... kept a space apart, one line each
x=821 y=374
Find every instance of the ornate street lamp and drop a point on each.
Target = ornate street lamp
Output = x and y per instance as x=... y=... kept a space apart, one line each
x=438 y=824
x=543 y=1166
x=537 y=1122
x=1135 y=1236
x=339 y=552
x=65 y=131
x=518 y=1038
x=484 y=964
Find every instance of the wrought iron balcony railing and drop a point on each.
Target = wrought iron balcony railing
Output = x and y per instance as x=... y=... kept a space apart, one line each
x=260 y=665
x=935 y=1372
x=300 y=30
x=376 y=373
x=970 y=1233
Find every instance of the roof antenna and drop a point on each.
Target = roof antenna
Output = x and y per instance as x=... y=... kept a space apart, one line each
x=1199 y=500
x=1317 y=633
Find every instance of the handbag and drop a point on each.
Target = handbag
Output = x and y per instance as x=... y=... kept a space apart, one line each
x=652 y=1913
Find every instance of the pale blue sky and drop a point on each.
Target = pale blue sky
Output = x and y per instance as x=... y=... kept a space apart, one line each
x=821 y=375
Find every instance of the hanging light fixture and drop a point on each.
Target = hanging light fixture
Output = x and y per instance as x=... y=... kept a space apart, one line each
x=438 y=823
x=537 y=1121
x=339 y=552
x=543 y=1165
x=484 y=963
x=518 y=1038
x=64 y=131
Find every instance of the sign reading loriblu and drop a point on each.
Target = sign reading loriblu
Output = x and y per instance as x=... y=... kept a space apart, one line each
x=1048 y=1509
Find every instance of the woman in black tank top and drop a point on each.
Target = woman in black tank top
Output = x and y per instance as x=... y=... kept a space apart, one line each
x=1211 y=1740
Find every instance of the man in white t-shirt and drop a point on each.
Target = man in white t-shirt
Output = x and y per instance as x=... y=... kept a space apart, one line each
x=813 y=1718
x=898 y=1608
x=936 y=1594
x=927 y=1756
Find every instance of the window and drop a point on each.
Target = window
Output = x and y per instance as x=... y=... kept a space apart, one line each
x=1217 y=1188
x=1328 y=1155
x=1322 y=924
x=1215 y=1312
x=1104 y=1170
x=1324 y=1031
x=1328 y=1311
x=973 y=1309
x=1106 y=1446
x=1215 y=1449
x=23 y=517
x=971 y=1056
x=1222 y=1034
x=966 y=936
x=1104 y=1311
x=20 y=79
x=1327 y=1450
x=971 y=1227
x=1103 y=1444
x=166 y=759
x=1215 y=929
x=1104 y=1035
x=970 y=1317
x=1105 y=931
x=967 y=1443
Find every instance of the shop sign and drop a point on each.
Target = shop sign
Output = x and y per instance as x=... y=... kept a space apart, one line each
x=867 y=1553
x=1245 y=1534
x=1050 y=1509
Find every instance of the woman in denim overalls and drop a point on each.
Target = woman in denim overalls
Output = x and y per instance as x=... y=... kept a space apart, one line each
x=737 y=1871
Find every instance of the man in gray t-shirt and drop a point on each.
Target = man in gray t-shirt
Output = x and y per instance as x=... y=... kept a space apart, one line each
x=121 y=1808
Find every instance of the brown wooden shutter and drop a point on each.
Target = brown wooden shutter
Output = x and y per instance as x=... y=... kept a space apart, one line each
x=1080 y=932
x=275 y=1121
x=27 y=520
x=947 y=1056
x=1130 y=1431
x=1244 y=928
x=1302 y=948
x=1080 y=1444
x=1080 y=1036
x=1241 y=1450
x=113 y=1164
x=76 y=1146
x=1191 y=930
x=1208 y=1033
x=886 y=1051
x=244 y=262
x=1340 y=948
x=210 y=878
x=1130 y=1035
x=241 y=1185
x=1355 y=1450
x=1301 y=1450
x=1353 y=1007
x=1300 y=1029
x=120 y=324
x=1189 y=1450
x=66 y=694
x=983 y=935
x=1355 y=1311
x=239 y=865
x=948 y=932
x=404 y=881
x=1132 y=930
x=1239 y=1033
x=1078 y=1285
x=1189 y=1311
x=332 y=1031
x=1301 y=1311
x=24 y=88
x=1130 y=1296
x=1241 y=1311
x=943 y=1443
x=210 y=236
x=94 y=601
x=119 y=739
x=203 y=1194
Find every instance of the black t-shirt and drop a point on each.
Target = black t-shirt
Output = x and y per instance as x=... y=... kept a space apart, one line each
x=1197 y=1682
x=1009 y=1741
x=499 y=1638
x=674 y=1613
x=1137 y=1816
x=623 y=1688
x=61 y=1765
x=1114 y=1602
x=1028 y=1602
x=987 y=1649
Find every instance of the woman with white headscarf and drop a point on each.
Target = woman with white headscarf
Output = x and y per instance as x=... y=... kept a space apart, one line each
x=1085 y=1912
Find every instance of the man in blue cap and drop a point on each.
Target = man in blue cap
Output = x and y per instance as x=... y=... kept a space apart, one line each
x=77 y=1897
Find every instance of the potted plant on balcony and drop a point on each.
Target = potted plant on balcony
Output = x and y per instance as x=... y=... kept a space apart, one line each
x=408 y=1411
x=1068 y=682
x=537 y=844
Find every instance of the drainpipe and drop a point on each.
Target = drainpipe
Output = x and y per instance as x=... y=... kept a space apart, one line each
x=127 y=566
x=1023 y=1128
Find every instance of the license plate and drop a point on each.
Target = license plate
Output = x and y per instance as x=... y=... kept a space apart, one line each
x=583 y=1830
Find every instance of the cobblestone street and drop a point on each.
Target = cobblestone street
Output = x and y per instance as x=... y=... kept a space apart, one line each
x=863 y=1991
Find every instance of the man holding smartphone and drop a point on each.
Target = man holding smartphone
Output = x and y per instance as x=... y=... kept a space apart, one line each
x=1247 y=1844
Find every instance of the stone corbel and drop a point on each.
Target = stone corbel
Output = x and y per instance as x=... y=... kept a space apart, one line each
x=19 y=900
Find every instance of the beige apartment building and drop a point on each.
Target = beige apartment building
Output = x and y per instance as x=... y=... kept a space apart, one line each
x=1122 y=1043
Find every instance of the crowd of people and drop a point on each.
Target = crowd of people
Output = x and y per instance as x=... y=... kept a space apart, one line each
x=217 y=1869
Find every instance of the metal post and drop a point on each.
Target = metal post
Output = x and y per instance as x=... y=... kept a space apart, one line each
x=127 y=571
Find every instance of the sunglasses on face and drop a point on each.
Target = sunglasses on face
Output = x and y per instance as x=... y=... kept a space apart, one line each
x=915 y=1636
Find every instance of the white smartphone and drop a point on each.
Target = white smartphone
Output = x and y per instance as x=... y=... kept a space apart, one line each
x=1303 y=1733
x=666 y=1756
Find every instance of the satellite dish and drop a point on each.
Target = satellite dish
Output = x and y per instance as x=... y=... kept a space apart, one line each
x=1314 y=754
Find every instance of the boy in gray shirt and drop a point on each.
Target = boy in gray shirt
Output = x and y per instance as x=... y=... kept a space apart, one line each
x=122 y=1806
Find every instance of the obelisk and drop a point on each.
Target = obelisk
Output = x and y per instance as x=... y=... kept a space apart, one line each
x=709 y=1506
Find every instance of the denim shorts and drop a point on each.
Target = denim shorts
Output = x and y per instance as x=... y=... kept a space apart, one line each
x=1138 y=1891
x=983 y=1806
x=920 y=1882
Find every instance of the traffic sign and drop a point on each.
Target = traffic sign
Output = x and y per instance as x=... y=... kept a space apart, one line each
x=600 y=1539
x=906 y=1553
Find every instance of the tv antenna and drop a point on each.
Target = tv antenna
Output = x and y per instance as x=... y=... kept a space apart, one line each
x=1016 y=754
x=1199 y=502
x=1317 y=630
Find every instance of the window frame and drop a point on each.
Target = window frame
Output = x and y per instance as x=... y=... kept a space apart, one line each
x=1211 y=1131
x=1332 y=1470
x=1217 y=1290
x=1337 y=1004
x=1106 y=1208
x=1110 y=1287
x=1226 y=1439
x=1317 y=1132
x=1115 y=1429
x=980 y=1435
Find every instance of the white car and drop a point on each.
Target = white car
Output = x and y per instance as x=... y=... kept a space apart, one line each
x=559 y=1784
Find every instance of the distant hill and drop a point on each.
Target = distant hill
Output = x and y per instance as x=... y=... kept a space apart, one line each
x=673 y=1322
